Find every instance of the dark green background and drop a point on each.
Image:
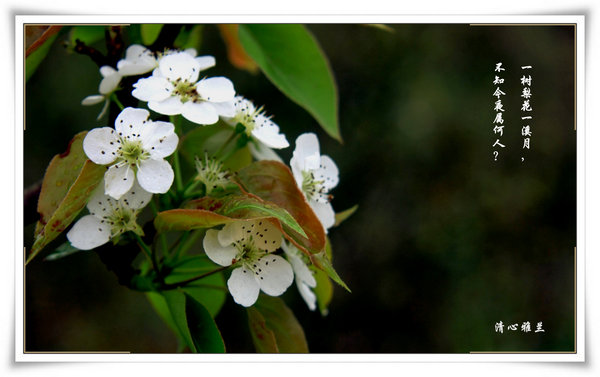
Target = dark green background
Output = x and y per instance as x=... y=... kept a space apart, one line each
x=446 y=242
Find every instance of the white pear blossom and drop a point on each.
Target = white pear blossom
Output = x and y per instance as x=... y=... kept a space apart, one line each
x=303 y=275
x=261 y=152
x=111 y=79
x=174 y=88
x=248 y=245
x=315 y=174
x=140 y=60
x=108 y=218
x=136 y=147
x=211 y=173
x=258 y=126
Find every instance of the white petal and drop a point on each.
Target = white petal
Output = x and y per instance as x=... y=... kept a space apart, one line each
x=225 y=109
x=100 y=204
x=136 y=197
x=130 y=122
x=221 y=255
x=191 y=52
x=301 y=270
x=109 y=84
x=324 y=212
x=118 y=180
x=274 y=274
x=268 y=133
x=307 y=294
x=138 y=60
x=200 y=112
x=159 y=139
x=180 y=66
x=216 y=89
x=100 y=145
x=169 y=106
x=155 y=176
x=205 y=62
x=152 y=89
x=265 y=235
x=88 y=233
x=107 y=70
x=307 y=151
x=327 y=172
x=92 y=100
x=261 y=152
x=233 y=232
x=243 y=286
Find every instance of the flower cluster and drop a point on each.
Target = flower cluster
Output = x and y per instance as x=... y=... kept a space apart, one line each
x=135 y=153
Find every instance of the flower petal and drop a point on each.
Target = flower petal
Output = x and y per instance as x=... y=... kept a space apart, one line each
x=130 y=122
x=307 y=294
x=243 y=286
x=261 y=152
x=268 y=133
x=265 y=235
x=136 y=198
x=152 y=89
x=118 y=180
x=216 y=89
x=233 y=232
x=109 y=84
x=200 y=112
x=107 y=70
x=301 y=270
x=324 y=212
x=100 y=204
x=180 y=65
x=100 y=145
x=89 y=232
x=327 y=172
x=159 y=139
x=225 y=109
x=307 y=155
x=169 y=106
x=221 y=255
x=138 y=60
x=274 y=274
x=92 y=100
x=206 y=62
x=155 y=176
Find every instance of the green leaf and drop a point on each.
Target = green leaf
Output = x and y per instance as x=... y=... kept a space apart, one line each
x=39 y=48
x=274 y=328
x=273 y=181
x=88 y=34
x=210 y=139
x=189 y=38
x=210 y=212
x=62 y=251
x=292 y=60
x=211 y=291
x=193 y=322
x=323 y=291
x=322 y=261
x=68 y=183
x=159 y=303
x=150 y=32
x=344 y=215
x=204 y=331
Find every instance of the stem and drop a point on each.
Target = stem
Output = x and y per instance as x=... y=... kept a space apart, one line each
x=146 y=250
x=196 y=278
x=188 y=190
x=114 y=98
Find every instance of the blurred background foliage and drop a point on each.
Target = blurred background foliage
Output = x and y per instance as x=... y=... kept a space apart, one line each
x=446 y=242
